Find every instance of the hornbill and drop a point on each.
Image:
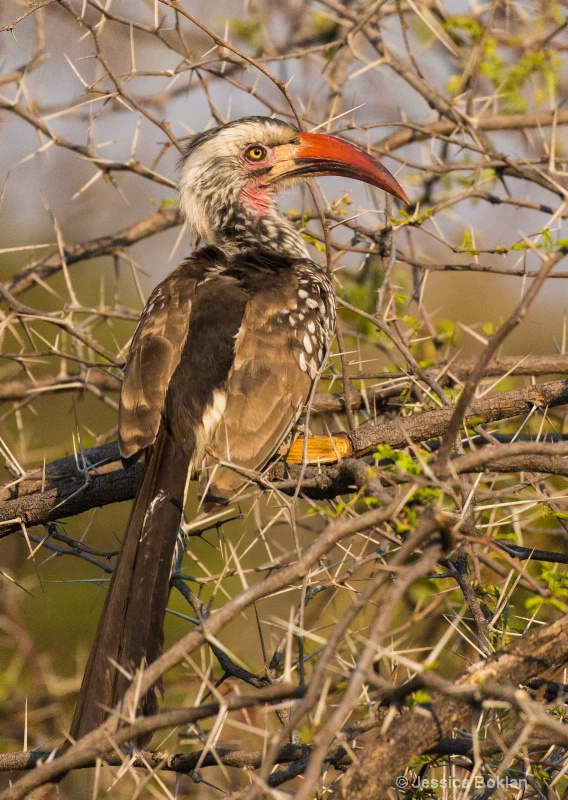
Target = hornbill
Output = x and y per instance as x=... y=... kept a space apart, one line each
x=220 y=367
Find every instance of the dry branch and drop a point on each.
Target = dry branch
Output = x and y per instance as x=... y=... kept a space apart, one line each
x=161 y=220
x=96 y=743
x=69 y=498
x=416 y=732
x=420 y=427
x=496 y=122
x=182 y=763
x=78 y=494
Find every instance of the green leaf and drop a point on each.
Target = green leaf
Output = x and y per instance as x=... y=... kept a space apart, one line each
x=467 y=245
x=465 y=24
x=385 y=451
x=246 y=29
x=412 y=321
x=547 y=239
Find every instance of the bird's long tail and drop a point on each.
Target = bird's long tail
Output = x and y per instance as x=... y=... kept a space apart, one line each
x=130 y=630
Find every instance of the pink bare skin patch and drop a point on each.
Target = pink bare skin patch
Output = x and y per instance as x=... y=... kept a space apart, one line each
x=258 y=196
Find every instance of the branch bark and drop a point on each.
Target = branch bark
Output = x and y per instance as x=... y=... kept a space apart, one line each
x=414 y=733
x=76 y=494
x=40 y=270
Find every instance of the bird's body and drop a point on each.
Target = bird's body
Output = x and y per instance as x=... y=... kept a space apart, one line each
x=225 y=390
x=221 y=365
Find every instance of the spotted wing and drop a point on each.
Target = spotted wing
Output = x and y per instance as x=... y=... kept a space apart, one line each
x=279 y=350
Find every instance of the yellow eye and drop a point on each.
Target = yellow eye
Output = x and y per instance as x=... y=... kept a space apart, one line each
x=256 y=153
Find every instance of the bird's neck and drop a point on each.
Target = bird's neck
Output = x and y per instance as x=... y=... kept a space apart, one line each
x=245 y=228
x=243 y=220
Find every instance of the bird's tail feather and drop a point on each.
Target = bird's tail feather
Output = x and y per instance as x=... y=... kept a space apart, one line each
x=130 y=630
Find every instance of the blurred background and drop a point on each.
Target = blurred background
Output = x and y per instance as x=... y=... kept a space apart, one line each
x=464 y=102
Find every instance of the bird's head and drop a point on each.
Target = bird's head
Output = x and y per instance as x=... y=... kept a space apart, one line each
x=230 y=176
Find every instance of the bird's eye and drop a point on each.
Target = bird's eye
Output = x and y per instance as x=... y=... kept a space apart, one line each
x=255 y=153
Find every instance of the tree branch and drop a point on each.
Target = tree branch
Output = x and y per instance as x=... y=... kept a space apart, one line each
x=415 y=732
x=78 y=494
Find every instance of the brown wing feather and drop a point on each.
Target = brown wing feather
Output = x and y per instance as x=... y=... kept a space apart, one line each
x=266 y=392
x=154 y=355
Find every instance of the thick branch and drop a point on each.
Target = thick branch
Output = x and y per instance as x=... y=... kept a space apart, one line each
x=161 y=220
x=75 y=495
x=173 y=762
x=71 y=497
x=420 y=427
x=414 y=733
